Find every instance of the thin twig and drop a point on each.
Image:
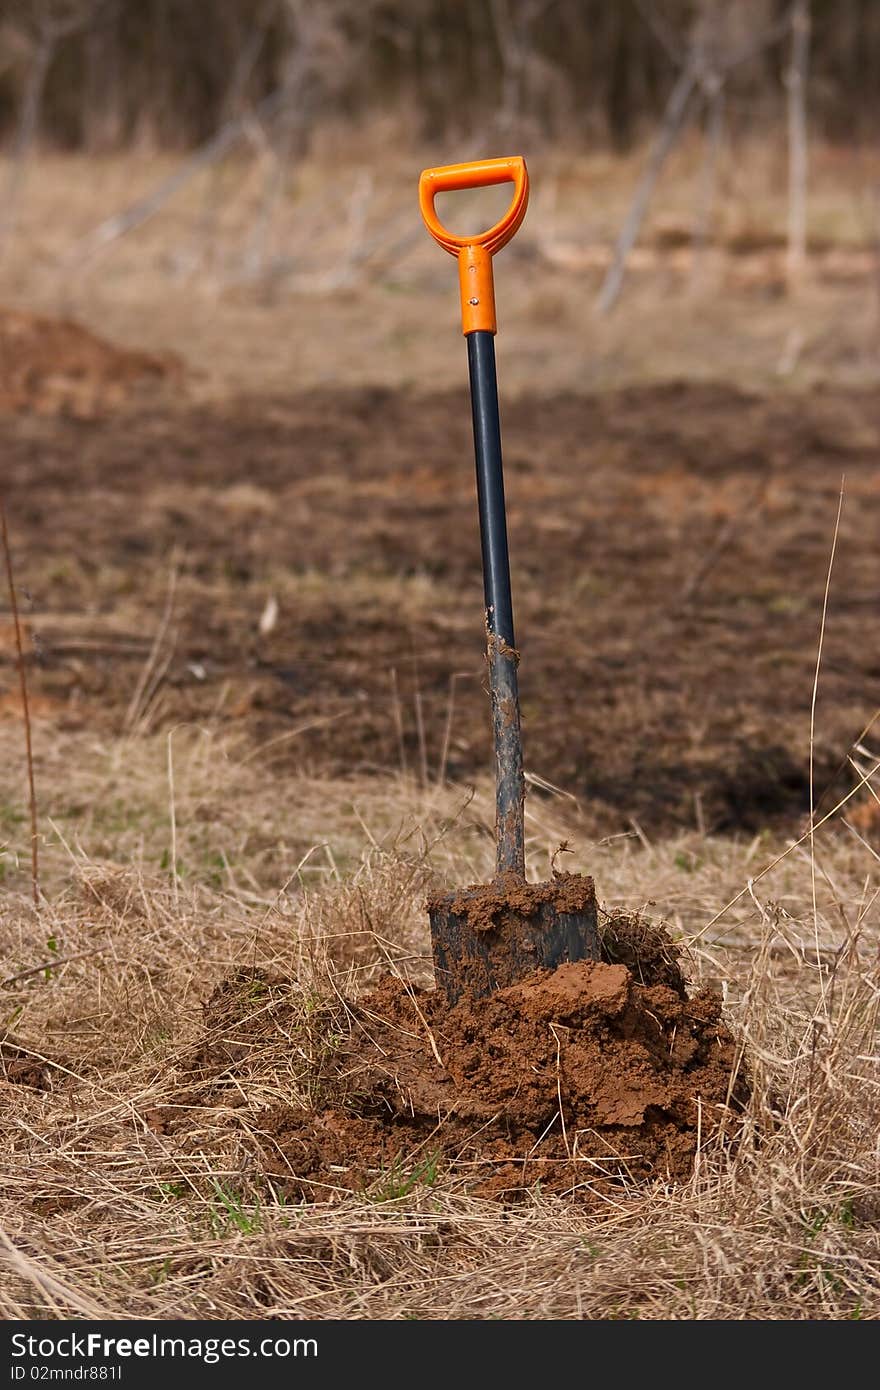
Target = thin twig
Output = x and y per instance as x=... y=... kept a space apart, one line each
x=726 y=533
x=136 y=214
x=863 y=781
x=397 y=717
x=411 y=994
x=423 y=747
x=25 y=707
x=175 y=887
x=559 y=1088
x=796 y=82
x=855 y=747
x=673 y=119
x=447 y=729
x=50 y=965
x=813 y=721
x=140 y=698
x=318 y=723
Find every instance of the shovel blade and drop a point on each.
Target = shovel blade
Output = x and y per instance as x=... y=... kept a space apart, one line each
x=493 y=935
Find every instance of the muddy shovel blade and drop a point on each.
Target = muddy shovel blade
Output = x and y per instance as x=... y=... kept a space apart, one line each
x=493 y=935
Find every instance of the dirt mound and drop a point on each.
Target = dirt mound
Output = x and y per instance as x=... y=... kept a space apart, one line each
x=576 y=1080
x=56 y=367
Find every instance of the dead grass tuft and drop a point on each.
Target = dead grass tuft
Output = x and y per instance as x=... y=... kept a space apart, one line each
x=152 y=1020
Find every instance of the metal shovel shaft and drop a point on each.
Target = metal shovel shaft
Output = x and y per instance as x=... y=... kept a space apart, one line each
x=502 y=654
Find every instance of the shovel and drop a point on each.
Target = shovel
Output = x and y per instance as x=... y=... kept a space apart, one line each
x=492 y=935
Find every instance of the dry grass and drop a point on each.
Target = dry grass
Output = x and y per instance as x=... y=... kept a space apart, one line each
x=319 y=885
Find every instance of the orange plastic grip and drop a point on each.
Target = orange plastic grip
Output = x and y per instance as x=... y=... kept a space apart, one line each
x=475 y=252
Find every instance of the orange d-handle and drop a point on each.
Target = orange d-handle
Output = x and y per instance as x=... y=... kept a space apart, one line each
x=475 y=252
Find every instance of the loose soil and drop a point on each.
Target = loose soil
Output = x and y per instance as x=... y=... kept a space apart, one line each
x=54 y=366
x=577 y=1080
x=670 y=547
x=488 y=906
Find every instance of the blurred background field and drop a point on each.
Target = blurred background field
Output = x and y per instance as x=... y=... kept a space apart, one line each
x=256 y=164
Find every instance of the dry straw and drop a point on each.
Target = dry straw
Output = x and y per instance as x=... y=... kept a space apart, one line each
x=104 y=1213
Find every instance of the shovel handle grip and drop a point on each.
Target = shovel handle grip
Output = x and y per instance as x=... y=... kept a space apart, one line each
x=475 y=252
x=484 y=173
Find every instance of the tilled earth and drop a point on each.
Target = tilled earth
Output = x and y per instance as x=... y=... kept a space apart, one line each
x=306 y=571
x=579 y=1079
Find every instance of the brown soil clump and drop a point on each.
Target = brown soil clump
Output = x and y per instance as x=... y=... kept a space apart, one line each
x=576 y=1080
x=487 y=905
x=56 y=367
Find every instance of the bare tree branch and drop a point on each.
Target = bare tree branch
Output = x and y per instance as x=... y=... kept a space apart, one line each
x=49 y=25
x=673 y=119
x=697 y=68
x=668 y=41
x=25 y=129
x=136 y=214
x=796 y=82
x=709 y=172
